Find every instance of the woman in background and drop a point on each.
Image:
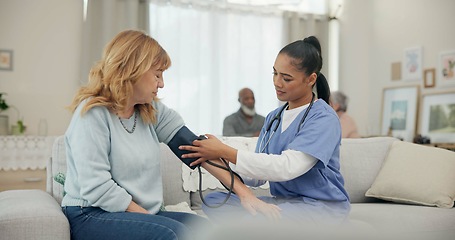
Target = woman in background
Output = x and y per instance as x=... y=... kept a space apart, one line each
x=339 y=102
x=113 y=183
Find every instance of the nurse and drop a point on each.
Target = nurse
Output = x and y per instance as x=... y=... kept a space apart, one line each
x=298 y=149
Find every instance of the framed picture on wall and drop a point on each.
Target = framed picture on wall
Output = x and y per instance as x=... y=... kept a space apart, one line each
x=446 y=71
x=437 y=120
x=429 y=77
x=412 y=64
x=6 y=60
x=399 y=112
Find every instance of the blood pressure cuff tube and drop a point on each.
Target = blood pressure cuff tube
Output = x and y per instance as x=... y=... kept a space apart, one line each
x=183 y=137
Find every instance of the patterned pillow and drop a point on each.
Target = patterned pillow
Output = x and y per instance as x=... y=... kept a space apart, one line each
x=60 y=178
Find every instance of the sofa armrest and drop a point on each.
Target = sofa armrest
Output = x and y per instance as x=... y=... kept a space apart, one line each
x=55 y=166
x=31 y=214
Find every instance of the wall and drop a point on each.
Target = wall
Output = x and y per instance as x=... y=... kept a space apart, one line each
x=374 y=34
x=45 y=36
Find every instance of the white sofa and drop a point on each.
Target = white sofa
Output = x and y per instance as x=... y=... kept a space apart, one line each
x=34 y=214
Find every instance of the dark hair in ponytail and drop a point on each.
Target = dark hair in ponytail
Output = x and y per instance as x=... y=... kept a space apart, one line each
x=307 y=58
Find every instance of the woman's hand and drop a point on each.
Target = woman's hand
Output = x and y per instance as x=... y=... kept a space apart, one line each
x=210 y=148
x=134 y=207
x=254 y=205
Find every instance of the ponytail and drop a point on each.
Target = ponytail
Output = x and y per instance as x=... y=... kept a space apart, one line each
x=322 y=87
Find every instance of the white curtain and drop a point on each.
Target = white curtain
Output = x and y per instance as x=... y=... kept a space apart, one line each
x=215 y=53
x=103 y=19
x=298 y=26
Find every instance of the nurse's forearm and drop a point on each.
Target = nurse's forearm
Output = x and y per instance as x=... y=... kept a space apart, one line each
x=239 y=188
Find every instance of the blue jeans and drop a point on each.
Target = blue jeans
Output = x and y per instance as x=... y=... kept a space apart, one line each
x=94 y=223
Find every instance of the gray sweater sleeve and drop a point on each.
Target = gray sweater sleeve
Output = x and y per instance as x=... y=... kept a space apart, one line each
x=168 y=122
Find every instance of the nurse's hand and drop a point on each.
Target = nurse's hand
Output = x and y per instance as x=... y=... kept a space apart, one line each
x=210 y=148
x=254 y=205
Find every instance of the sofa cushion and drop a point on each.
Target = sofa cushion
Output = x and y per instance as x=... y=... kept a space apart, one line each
x=402 y=221
x=31 y=214
x=360 y=162
x=416 y=174
x=171 y=171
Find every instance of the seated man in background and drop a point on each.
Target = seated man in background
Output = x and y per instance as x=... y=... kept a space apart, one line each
x=245 y=122
x=339 y=102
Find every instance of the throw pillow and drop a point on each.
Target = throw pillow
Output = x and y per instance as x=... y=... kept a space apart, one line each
x=416 y=174
x=60 y=178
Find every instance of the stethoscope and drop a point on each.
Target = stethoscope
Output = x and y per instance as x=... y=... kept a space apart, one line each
x=278 y=118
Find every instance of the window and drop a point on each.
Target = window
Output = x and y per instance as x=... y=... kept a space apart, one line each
x=215 y=52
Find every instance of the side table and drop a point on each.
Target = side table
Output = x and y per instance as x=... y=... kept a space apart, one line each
x=23 y=161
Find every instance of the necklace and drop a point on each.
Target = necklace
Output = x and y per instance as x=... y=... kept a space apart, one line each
x=134 y=125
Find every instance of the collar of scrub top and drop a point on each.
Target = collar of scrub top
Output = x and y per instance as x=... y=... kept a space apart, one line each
x=278 y=119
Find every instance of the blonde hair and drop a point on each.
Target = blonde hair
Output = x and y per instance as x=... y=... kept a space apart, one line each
x=126 y=58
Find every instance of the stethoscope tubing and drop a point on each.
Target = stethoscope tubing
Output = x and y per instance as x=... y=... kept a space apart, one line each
x=278 y=118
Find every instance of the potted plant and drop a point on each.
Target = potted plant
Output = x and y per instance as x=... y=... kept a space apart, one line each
x=17 y=129
x=3 y=104
x=4 y=120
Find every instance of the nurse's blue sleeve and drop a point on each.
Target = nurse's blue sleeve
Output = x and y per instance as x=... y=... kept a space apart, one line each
x=319 y=136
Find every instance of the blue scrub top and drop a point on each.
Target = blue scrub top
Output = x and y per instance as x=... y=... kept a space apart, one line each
x=318 y=136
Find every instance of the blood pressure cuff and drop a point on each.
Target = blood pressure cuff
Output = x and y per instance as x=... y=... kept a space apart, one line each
x=183 y=137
